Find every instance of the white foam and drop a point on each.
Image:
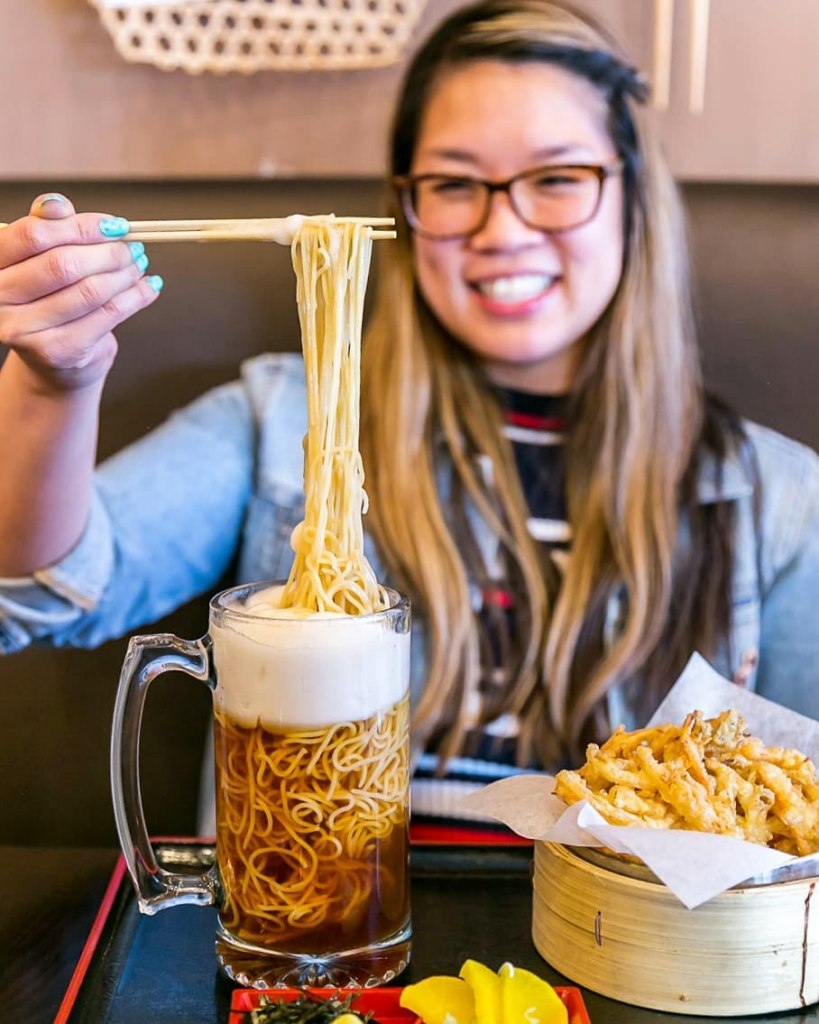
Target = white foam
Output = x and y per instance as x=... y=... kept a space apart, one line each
x=286 y=670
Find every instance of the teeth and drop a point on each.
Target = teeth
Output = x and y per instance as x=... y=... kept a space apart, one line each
x=515 y=289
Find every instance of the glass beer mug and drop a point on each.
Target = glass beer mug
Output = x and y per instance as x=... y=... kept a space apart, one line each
x=311 y=744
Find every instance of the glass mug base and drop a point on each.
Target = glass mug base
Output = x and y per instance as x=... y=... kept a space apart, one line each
x=257 y=967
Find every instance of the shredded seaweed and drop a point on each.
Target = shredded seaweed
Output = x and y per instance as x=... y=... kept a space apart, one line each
x=306 y=1009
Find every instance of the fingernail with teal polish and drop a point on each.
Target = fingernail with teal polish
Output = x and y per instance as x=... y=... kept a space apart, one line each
x=156 y=282
x=114 y=227
x=52 y=197
x=137 y=249
x=142 y=263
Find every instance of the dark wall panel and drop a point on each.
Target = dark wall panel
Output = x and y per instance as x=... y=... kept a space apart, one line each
x=755 y=258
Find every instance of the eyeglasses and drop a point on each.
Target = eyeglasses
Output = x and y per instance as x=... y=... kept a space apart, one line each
x=551 y=198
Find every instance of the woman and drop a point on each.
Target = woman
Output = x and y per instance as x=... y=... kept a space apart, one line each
x=570 y=513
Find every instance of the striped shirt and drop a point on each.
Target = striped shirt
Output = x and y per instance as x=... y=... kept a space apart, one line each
x=536 y=427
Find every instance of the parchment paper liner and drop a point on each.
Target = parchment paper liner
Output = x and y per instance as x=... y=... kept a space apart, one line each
x=696 y=866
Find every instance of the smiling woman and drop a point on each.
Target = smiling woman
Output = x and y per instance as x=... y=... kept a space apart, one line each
x=544 y=255
x=570 y=512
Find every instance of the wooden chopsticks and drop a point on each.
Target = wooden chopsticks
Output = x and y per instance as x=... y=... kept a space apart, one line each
x=267 y=229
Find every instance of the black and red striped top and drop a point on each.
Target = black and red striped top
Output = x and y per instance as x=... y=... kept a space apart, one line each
x=537 y=427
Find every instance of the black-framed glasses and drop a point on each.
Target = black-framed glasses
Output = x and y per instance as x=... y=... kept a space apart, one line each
x=550 y=198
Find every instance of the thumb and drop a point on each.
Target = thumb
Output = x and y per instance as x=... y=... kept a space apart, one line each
x=52 y=206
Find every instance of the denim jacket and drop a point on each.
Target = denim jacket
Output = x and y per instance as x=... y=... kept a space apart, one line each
x=225 y=476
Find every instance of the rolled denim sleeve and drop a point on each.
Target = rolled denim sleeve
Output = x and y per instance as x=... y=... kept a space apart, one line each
x=53 y=599
x=789 y=647
x=165 y=522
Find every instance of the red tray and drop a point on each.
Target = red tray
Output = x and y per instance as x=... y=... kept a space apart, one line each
x=381 y=1002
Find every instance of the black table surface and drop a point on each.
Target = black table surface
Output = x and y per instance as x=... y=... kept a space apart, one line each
x=466 y=903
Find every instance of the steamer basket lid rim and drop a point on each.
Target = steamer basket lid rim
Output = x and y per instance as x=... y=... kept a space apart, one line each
x=802 y=868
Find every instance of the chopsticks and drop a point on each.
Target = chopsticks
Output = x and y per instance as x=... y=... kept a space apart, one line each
x=266 y=229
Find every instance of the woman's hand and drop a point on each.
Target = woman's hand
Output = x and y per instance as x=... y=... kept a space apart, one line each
x=65 y=283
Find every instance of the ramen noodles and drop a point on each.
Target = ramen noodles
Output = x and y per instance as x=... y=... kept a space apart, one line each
x=311 y=701
x=318 y=865
x=330 y=572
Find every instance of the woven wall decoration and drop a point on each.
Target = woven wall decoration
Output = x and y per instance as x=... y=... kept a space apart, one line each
x=261 y=35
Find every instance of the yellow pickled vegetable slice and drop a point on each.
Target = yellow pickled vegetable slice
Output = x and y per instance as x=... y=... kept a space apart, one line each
x=527 y=999
x=485 y=985
x=440 y=1000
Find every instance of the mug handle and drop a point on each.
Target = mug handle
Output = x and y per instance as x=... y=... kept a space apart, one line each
x=148 y=657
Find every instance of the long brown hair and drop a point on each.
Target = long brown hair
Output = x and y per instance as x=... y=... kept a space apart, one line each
x=435 y=454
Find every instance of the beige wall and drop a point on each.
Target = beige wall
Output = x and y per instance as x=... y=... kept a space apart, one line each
x=77 y=109
x=73 y=107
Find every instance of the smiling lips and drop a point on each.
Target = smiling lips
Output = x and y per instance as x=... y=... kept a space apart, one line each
x=517 y=293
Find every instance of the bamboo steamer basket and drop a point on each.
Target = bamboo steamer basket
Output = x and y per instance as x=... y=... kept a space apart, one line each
x=747 y=951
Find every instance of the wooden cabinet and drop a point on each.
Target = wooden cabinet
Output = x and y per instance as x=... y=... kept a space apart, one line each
x=760 y=118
